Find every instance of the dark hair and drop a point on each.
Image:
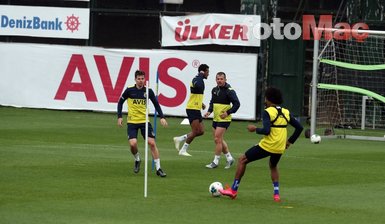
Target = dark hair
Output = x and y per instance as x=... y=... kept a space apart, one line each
x=274 y=95
x=139 y=73
x=203 y=67
x=221 y=73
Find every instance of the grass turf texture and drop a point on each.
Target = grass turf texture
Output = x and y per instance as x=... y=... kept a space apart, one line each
x=75 y=167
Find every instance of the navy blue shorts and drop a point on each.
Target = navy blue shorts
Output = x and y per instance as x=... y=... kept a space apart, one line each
x=194 y=115
x=256 y=153
x=221 y=124
x=132 y=130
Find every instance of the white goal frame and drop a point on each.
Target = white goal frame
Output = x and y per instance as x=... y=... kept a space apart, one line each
x=314 y=86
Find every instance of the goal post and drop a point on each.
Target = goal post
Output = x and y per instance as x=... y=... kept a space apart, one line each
x=348 y=87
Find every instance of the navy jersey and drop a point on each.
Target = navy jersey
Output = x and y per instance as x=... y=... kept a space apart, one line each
x=197 y=87
x=223 y=99
x=136 y=102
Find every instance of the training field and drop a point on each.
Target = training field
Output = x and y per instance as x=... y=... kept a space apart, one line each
x=75 y=167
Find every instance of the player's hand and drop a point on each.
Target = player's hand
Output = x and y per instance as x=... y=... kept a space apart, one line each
x=251 y=128
x=120 y=122
x=203 y=106
x=224 y=115
x=163 y=122
x=287 y=144
x=207 y=114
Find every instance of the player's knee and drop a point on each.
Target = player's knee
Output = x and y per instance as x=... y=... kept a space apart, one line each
x=218 y=140
x=198 y=132
x=243 y=160
x=273 y=167
x=151 y=142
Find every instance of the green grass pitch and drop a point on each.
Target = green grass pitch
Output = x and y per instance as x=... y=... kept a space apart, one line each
x=75 y=167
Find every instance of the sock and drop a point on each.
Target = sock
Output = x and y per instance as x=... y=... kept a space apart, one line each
x=228 y=156
x=276 y=187
x=182 y=138
x=235 y=185
x=157 y=164
x=136 y=156
x=216 y=159
x=184 y=147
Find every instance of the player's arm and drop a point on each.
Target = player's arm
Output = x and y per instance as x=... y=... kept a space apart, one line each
x=265 y=130
x=211 y=105
x=298 y=129
x=234 y=101
x=199 y=86
x=121 y=101
x=158 y=109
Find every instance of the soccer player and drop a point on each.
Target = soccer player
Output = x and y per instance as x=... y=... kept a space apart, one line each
x=273 y=143
x=136 y=119
x=193 y=110
x=223 y=103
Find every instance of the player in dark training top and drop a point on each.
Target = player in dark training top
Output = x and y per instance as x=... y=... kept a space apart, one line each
x=194 y=106
x=136 y=119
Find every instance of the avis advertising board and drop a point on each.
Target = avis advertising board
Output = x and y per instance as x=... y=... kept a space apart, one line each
x=90 y=78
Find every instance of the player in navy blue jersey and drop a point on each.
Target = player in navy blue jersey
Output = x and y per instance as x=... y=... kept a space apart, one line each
x=193 y=110
x=136 y=119
x=223 y=103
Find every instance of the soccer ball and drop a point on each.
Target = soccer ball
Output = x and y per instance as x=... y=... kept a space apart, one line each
x=315 y=139
x=214 y=189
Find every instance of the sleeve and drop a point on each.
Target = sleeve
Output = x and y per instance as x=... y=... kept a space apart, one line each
x=211 y=105
x=234 y=100
x=298 y=129
x=199 y=84
x=265 y=130
x=155 y=103
x=121 y=101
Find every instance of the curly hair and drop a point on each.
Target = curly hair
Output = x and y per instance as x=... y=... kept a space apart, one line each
x=274 y=95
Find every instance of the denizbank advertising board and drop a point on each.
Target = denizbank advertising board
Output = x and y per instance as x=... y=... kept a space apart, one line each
x=51 y=22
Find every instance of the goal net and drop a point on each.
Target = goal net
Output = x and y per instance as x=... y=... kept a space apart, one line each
x=349 y=98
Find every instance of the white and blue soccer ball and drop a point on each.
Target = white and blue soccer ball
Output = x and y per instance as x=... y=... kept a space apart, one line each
x=315 y=139
x=214 y=189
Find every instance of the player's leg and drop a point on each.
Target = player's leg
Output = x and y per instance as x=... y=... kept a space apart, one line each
x=133 y=142
x=252 y=154
x=229 y=158
x=217 y=155
x=218 y=140
x=192 y=115
x=225 y=149
x=155 y=156
x=132 y=133
x=241 y=168
x=273 y=164
x=197 y=129
x=153 y=148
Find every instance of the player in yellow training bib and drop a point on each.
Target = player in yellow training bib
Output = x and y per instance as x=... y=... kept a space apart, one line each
x=273 y=143
x=194 y=106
